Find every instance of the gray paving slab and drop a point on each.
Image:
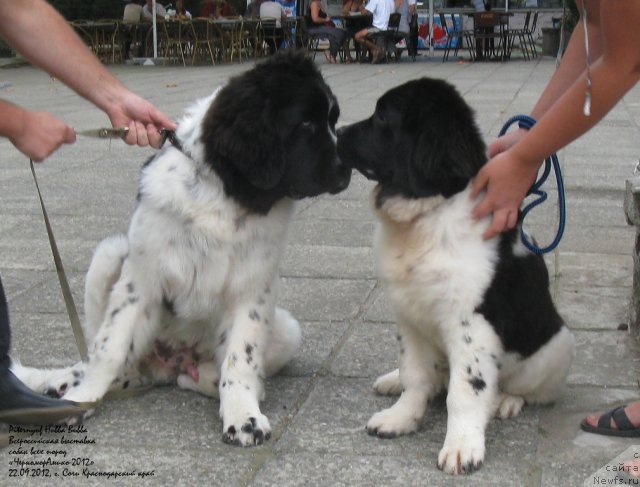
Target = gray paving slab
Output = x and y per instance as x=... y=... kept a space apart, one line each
x=321 y=401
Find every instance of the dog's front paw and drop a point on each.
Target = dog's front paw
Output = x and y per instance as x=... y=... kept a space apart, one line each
x=390 y=423
x=461 y=455
x=253 y=430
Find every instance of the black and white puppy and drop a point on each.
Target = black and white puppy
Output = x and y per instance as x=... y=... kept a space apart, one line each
x=476 y=313
x=190 y=292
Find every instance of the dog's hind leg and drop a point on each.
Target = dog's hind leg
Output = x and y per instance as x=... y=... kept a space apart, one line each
x=103 y=273
x=388 y=384
x=203 y=379
x=540 y=378
x=126 y=332
x=282 y=343
x=420 y=381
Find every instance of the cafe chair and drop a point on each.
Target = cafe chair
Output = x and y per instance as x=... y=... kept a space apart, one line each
x=524 y=36
x=203 y=40
x=387 y=39
x=309 y=41
x=455 y=37
x=271 y=34
x=251 y=38
x=530 y=30
x=490 y=35
x=171 y=40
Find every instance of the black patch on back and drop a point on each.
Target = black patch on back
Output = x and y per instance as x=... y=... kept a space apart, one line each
x=518 y=303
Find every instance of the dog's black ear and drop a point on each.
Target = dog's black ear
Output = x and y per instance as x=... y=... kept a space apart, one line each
x=447 y=156
x=240 y=136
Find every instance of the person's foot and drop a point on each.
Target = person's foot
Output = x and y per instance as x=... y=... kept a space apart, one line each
x=378 y=56
x=330 y=58
x=620 y=420
x=20 y=405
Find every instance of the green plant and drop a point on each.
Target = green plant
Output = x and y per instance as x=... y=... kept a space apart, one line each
x=571 y=15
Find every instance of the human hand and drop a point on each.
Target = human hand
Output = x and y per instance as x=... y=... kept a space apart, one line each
x=142 y=118
x=39 y=134
x=506 y=181
x=505 y=142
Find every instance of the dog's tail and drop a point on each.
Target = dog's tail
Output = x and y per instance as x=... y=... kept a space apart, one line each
x=103 y=273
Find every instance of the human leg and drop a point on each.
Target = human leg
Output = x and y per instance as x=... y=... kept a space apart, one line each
x=18 y=403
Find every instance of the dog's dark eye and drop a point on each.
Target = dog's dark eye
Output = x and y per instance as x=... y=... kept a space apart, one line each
x=380 y=117
x=307 y=124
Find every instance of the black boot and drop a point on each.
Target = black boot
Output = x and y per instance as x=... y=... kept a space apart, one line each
x=20 y=405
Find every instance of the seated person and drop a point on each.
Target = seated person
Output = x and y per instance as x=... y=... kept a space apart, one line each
x=148 y=9
x=273 y=10
x=350 y=7
x=181 y=12
x=381 y=10
x=225 y=9
x=402 y=7
x=132 y=13
x=207 y=9
x=320 y=25
x=253 y=10
x=131 y=16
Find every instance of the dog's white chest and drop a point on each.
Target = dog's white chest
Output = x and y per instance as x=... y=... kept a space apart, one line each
x=434 y=266
x=197 y=244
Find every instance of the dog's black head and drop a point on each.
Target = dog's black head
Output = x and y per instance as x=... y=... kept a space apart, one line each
x=270 y=134
x=421 y=141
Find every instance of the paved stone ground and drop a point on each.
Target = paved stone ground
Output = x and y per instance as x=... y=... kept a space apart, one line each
x=319 y=404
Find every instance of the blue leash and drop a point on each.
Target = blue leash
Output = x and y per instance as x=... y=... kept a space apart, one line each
x=527 y=122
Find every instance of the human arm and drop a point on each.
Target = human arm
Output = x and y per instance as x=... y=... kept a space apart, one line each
x=44 y=37
x=314 y=10
x=35 y=134
x=507 y=177
x=363 y=8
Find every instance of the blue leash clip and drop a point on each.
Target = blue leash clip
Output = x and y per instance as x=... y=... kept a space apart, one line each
x=527 y=122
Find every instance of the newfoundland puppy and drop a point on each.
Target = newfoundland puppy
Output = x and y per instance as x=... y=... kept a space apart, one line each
x=189 y=294
x=473 y=315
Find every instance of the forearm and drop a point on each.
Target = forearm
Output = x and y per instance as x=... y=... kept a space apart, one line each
x=573 y=62
x=566 y=121
x=75 y=65
x=615 y=72
x=11 y=119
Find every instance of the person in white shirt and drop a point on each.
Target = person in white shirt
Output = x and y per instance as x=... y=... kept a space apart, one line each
x=148 y=8
x=273 y=10
x=381 y=10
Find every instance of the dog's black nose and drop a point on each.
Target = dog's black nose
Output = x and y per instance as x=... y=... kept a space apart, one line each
x=340 y=131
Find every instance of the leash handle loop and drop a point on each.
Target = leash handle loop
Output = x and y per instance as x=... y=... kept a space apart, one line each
x=526 y=122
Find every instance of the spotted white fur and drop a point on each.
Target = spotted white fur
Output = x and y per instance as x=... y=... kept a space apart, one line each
x=436 y=268
x=197 y=274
